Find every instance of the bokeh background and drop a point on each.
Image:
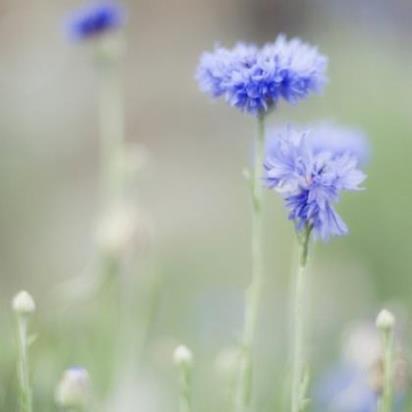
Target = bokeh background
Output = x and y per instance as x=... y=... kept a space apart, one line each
x=194 y=191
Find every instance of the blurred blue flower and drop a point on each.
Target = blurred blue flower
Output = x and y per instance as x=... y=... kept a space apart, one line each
x=310 y=179
x=340 y=140
x=345 y=389
x=94 y=19
x=354 y=384
x=254 y=80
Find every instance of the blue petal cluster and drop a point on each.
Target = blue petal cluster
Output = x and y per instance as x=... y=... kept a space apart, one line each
x=94 y=19
x=310 y=178
x=255 y=79
x=340 y=140
x=346 y=389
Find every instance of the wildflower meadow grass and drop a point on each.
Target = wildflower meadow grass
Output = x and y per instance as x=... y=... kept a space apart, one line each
x=243 y=261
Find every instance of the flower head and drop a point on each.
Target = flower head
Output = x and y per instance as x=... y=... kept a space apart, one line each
x=73 y=390
x=23 y=303
x=310 y=179
x=183 y=356
x=254 y=80
x=94 y=19
x=385 y=320
x=123 y=229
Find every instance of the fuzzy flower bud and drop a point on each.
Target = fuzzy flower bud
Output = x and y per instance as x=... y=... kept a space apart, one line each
x=121 y=230
x=385 y=320
x=73 y=390
x=183 y=356
x=23 y=303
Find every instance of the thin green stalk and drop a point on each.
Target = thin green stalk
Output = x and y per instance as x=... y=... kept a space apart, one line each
x=183 y=359
x=299 y=381
x=185 y=396
x=386 y=401
x=244 y=383
x=26 y=404
x=111 y=117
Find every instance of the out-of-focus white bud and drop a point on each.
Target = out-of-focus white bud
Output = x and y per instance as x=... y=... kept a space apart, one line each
x=385 y=320
x=122 y=230
x=23 y=303
x=183 y=356
x=73 y=390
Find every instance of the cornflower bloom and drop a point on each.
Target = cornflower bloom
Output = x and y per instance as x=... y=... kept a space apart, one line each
x=310 y=172
x=94 y=20
x=255 y=80
x=311 y=176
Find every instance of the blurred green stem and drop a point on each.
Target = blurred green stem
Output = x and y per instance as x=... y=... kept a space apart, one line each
x=23 y=364
x=111 y=117
x=385 y=403
x=299 y=381
x=185 y=384
x=254 y=292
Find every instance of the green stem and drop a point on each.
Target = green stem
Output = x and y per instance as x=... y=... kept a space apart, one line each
x=298 y=400
x=385 y=403
x=185 y=383
x=23 y=364
x=111 y=120
x=254 y=292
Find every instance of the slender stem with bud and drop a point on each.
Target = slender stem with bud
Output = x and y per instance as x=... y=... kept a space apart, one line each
x=183 y=359
x=254 y=292
x=299 y=380
x=23 y=364
x=385 y=323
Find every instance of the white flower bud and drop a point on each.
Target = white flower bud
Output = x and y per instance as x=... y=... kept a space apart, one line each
x=73 y=390
x=385 y=320
x=23 y=303
x=183 y=356
x=121 y=230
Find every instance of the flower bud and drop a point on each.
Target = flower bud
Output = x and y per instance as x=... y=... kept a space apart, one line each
x=122 y=230
x=23 y=303
x=183 y=356
x=385 y=320
x=73 y=390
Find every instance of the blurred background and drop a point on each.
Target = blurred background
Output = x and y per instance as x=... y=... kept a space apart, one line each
x=193 y=189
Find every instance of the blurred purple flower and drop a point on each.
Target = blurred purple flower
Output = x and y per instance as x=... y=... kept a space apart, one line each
x=345 y=389
x=354 y=384
x=254 y=80
x=340 y=140
x=94 y=19
x=310 y=179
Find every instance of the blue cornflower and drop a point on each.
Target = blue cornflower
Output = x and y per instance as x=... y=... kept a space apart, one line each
x=346 y=389
x=255 y=79
x=310 y=179
x=94 y=19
